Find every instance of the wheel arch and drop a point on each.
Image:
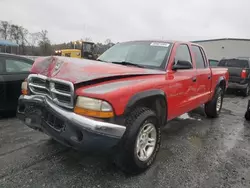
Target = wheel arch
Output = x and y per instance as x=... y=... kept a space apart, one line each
x=221 y=83
x=155 y=99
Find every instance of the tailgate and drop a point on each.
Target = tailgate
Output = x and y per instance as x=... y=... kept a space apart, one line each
x=235 y=74
x=235 y=67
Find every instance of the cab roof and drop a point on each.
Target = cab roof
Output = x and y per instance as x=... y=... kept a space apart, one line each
x=164 y=41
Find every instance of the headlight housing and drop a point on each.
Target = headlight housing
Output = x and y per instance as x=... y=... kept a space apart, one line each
x=93 y=107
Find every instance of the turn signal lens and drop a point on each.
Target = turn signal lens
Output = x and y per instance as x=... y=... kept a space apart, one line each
x=24 y=88
x=93 y=113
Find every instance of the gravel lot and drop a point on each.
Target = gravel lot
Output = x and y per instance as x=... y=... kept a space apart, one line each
x=195 y=152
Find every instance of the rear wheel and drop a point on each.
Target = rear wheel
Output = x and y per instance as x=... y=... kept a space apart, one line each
x=213 y=107
x=140 y=143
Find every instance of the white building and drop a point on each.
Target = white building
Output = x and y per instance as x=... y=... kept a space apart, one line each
x=226 y=47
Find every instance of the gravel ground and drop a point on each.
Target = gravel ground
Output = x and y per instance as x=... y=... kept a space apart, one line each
x=195 y=152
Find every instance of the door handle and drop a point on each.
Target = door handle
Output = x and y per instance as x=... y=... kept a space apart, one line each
x=194 y=79
x=209 y=77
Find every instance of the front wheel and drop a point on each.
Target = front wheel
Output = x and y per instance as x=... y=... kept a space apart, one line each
x=213 y=107
x=140 y=143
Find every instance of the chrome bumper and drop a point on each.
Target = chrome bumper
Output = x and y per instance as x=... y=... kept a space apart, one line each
x=93 y=131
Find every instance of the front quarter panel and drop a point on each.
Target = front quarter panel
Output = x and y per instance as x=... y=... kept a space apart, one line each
x=118 y=93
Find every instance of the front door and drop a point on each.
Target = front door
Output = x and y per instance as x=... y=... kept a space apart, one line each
x=182 y=85
x=16 y=70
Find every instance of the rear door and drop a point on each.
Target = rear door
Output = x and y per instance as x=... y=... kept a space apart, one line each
x=203 y=73
x=15 y=71
x=235 y=67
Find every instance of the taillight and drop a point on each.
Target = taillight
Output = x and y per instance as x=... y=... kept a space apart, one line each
x=243 y=73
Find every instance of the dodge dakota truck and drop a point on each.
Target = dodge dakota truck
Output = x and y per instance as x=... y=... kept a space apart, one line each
x=121 y=101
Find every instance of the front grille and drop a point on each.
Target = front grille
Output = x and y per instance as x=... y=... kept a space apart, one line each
x=62 y=87
x=61 y=92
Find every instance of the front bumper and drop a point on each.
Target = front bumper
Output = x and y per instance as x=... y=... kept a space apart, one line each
x=235 y=85
x=79 y=132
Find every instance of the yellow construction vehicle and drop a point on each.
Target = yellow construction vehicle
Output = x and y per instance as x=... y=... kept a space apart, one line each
x=86 y=51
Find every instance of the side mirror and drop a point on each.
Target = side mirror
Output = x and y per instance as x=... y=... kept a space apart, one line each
x=182 y=65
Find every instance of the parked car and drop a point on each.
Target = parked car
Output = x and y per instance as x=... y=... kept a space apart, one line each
x=239 y=73
x=213 y=62
x=13 y=70
x=122 y=100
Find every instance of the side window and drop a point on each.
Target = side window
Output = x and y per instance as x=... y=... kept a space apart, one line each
x=15 y=65
x=182 y=53
x=199 y=59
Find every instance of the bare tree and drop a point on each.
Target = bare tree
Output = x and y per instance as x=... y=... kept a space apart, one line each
x=4 y=29
x=33 y=40
x=88 y=39
x=44 y=43
x=14 y=33
x=23 y=33
x=107 y=41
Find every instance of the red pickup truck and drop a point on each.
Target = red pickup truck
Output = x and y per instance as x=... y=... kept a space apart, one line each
x=121 y=100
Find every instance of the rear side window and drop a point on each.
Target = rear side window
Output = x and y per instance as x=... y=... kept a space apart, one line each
x=199 y=59
x=182 y=53
x=240 y=63
x=213 y=63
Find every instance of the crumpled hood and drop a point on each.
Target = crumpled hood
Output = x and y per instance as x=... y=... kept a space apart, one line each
x=82 y=70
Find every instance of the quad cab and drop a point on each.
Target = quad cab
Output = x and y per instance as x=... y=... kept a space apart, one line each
x=122 y=100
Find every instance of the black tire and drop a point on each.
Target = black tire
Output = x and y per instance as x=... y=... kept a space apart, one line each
x=211 y=109
x=246 y=91
x=126 y=157
x=247 y=115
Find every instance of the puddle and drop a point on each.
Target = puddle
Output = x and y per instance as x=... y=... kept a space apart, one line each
x=233 y=138
x=195 y=141
x=187 y=116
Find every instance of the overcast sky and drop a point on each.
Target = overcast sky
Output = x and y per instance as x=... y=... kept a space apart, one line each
x=122 y=20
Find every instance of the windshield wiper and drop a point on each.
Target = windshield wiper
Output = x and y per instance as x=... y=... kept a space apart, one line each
x=122 y=63
x=127 y=63
x=100 y=60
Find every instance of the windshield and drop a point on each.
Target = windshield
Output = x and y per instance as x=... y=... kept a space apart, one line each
x=234 y=63
x=146 y=54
